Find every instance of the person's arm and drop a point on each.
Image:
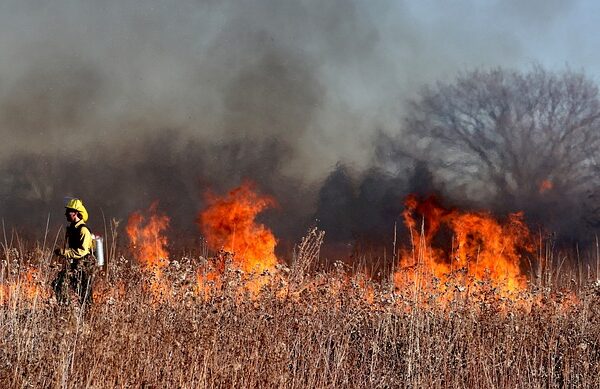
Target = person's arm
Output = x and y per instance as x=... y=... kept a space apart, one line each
x=86 y=243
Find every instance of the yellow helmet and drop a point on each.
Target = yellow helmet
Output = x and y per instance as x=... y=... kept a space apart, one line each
x=77 y=205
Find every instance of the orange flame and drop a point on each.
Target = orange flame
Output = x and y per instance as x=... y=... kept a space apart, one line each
x=229 y=224
x=483 y=249
x=149 y=245
x=545 y=186
x=27 y=287
x=206 y=283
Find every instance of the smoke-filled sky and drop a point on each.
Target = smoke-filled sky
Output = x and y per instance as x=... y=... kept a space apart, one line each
x=123 y=101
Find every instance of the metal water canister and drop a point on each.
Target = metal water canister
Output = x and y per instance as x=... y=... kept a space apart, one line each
x=99 y=250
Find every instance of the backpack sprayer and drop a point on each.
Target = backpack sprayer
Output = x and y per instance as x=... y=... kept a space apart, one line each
x=98 y=249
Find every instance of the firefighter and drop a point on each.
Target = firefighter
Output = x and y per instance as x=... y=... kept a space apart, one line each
x=77 y=272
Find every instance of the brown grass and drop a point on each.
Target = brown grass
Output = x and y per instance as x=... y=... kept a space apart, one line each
x=325 y=330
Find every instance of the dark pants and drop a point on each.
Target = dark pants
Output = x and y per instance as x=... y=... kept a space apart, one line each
x=77 y=277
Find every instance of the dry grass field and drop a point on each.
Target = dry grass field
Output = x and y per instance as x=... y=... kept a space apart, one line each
x=493 y=309
x=184 y=327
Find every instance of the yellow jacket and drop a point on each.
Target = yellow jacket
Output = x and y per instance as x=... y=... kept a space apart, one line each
x=79 y=241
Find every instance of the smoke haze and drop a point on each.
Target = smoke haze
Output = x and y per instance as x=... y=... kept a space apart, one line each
x=124 y=102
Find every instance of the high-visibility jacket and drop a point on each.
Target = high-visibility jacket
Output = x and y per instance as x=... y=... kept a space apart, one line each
x=79 y=241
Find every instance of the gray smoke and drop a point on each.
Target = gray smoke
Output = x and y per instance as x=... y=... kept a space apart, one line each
x=125 y=102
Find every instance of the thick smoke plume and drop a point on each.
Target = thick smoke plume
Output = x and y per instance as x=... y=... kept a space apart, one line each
x=124 y=102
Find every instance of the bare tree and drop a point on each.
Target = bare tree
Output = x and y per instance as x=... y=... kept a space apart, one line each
x=510 y=136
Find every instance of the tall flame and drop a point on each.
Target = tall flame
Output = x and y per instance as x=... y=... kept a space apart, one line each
x=481 y=247
x=228 y=223
x=147 y=237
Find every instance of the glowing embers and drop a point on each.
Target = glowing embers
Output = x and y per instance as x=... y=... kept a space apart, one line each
x=545 y=186
x=478 y=249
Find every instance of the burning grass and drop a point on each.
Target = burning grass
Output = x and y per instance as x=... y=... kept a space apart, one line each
x=323 y=329
x=465 y=317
